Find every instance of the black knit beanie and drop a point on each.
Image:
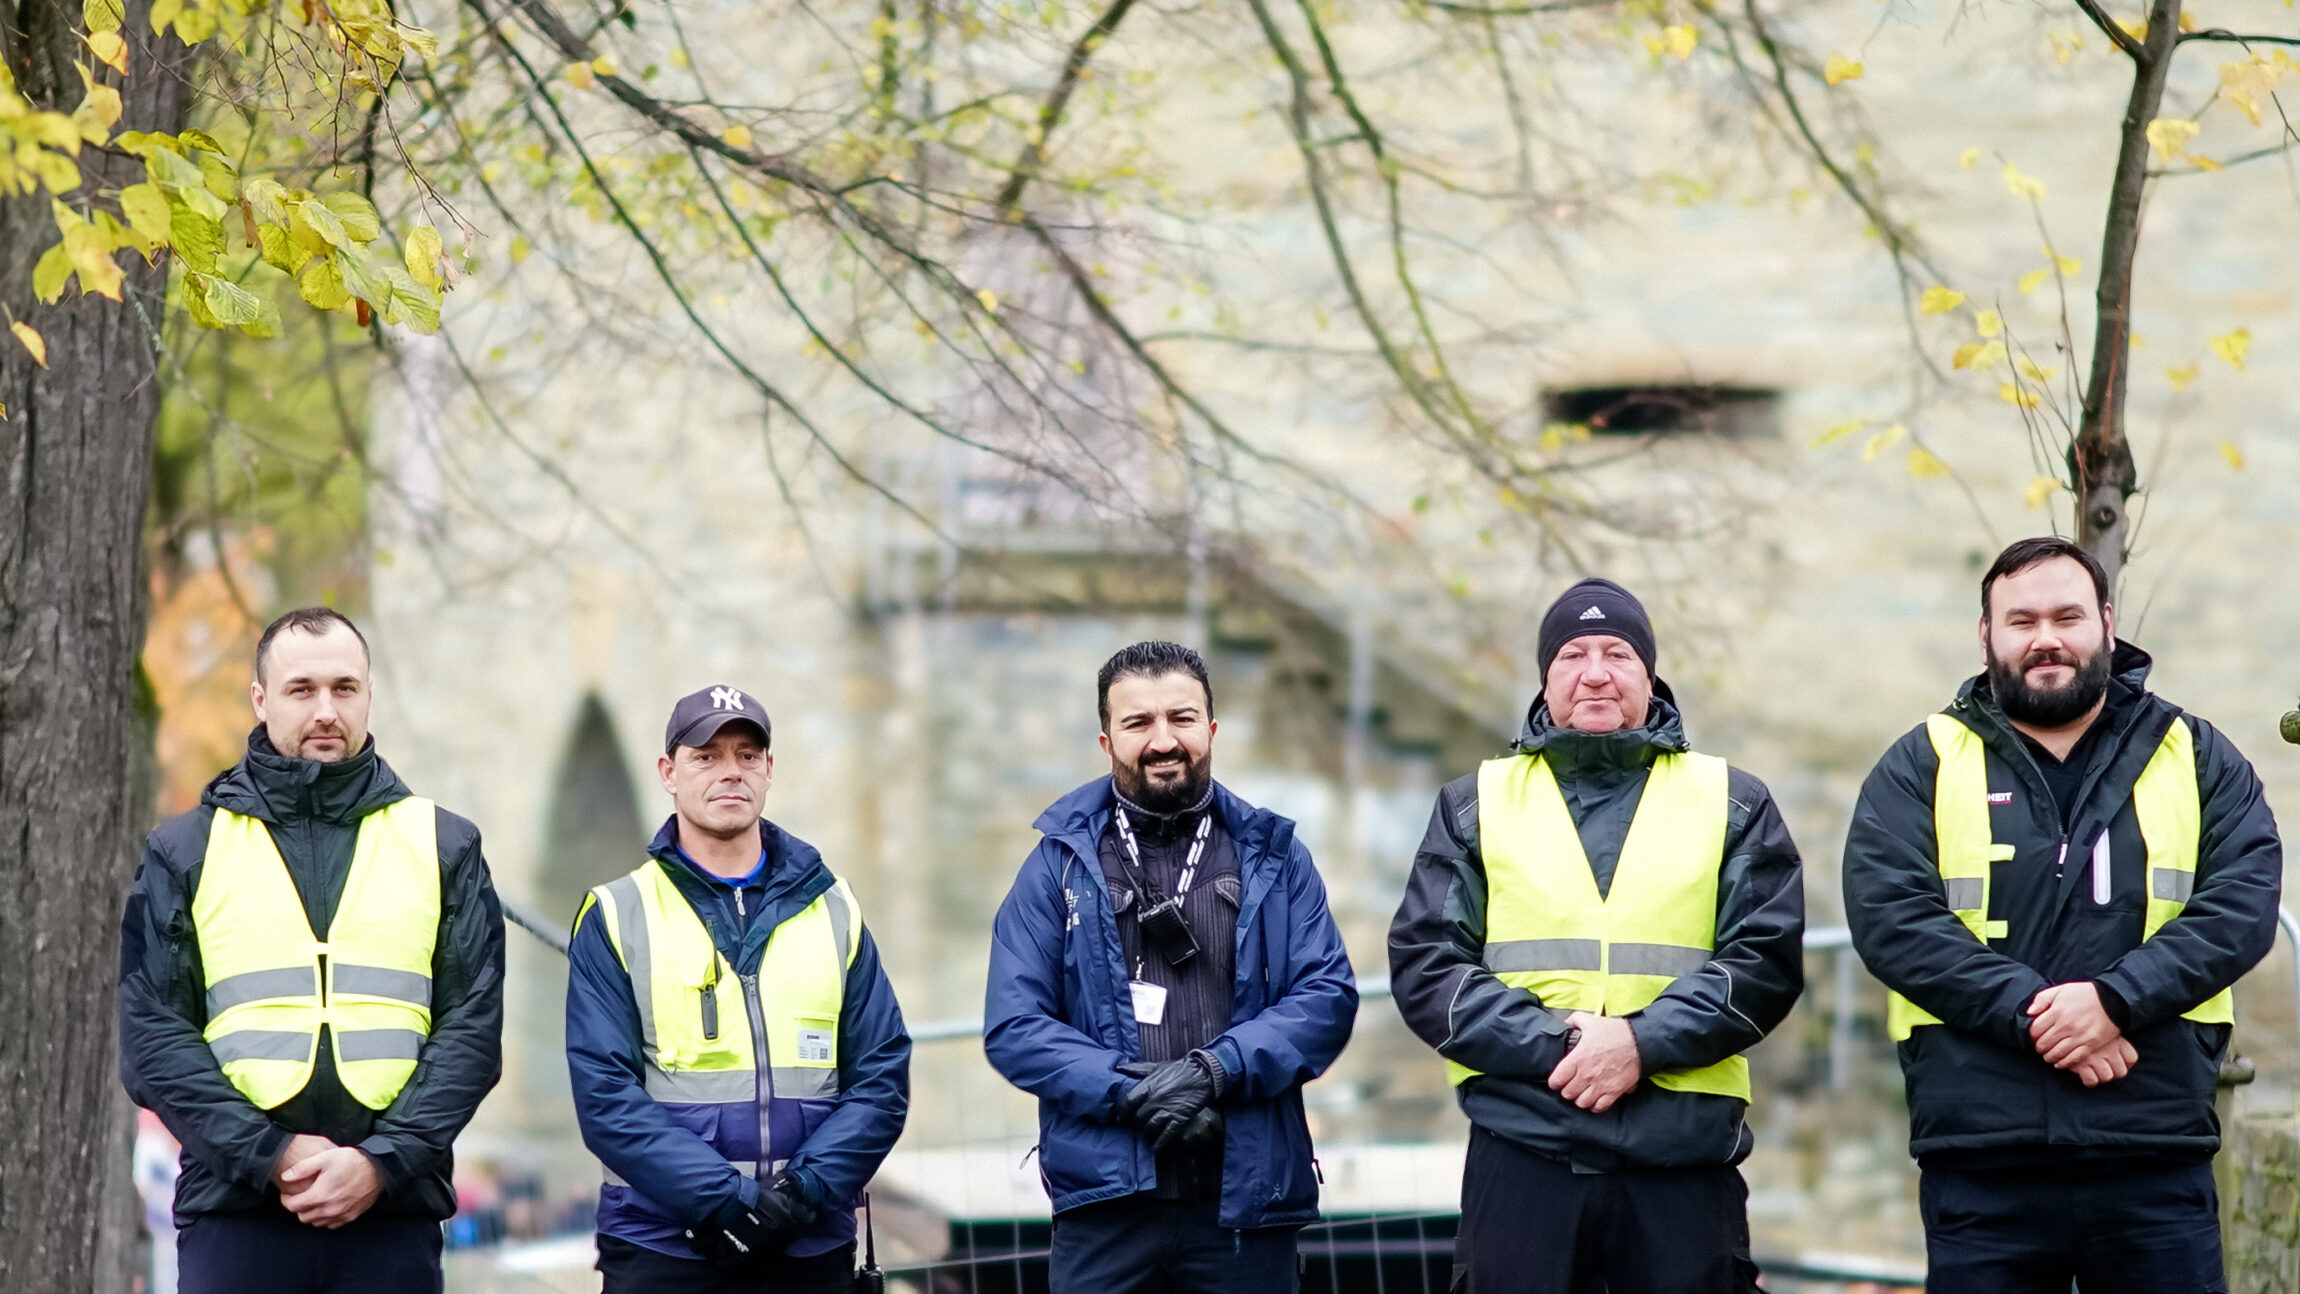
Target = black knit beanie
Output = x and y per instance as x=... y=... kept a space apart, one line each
x=1597 y=606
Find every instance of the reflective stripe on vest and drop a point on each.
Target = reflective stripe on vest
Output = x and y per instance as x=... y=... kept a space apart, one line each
x=263 y=964
x=707 y=1048
x=2165 y=800
x=1550 y=932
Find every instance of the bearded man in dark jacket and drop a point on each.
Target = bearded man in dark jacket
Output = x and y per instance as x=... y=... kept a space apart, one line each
x=2060 y=876
x=1595 y=929
x=311 y=993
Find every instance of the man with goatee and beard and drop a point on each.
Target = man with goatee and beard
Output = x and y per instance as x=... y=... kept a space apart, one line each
x=2059 y=876
x=1164 y=977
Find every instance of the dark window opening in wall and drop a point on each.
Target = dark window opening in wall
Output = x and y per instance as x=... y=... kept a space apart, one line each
x=1661 y=410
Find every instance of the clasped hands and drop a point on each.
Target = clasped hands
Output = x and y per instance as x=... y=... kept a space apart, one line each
x=1173 y=1103
x=1601 y=1066
x=324 y=1184
x=2073 y=1031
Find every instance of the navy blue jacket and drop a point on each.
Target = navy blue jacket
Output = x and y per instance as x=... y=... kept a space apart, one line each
x=1059 y=1020
x=676 y=1179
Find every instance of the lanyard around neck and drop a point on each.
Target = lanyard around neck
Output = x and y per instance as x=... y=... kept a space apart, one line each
x=1189 y=865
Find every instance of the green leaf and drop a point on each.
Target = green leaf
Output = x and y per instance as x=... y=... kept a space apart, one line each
x=147 y=211
x=201 y=140
x=101 y=15
x=323 y=222
x=357 y=214
x=322 y=285
x=220 y=176
x=422 y=256
x=417 y=304
x=363 y=278
x=194 y=302
x=196 y=238
x=267 y=196
x=281 y=251
x=267 y=321
x=51 y=274
x=232 y=304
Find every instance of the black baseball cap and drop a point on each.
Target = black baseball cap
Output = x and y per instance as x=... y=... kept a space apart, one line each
x=699 y=715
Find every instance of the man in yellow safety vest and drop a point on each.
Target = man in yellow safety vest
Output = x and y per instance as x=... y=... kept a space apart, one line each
x=311 y=993
x=1595 y=929
x=739 y=1064
x=2059 y=876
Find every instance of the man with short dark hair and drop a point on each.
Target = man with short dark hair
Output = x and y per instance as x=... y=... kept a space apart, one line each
x=740 y=1066
x=2059 y=876
x=1164 y=977
x=311 y=993
x=1596 y=927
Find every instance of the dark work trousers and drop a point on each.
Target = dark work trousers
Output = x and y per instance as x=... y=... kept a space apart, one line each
x=1531 y=1225
x=1141 y=1245
x=228 y=1254
x=627 y=1268
x=2153 y=1231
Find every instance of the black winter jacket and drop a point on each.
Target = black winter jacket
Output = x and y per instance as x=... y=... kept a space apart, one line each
x=1977 y=1089
x=1448 y=997
x=230 y=1146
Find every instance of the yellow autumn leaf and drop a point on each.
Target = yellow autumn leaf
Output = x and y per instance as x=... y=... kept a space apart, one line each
x=1922 y=463
x=2181 y=377
x=1837 y=433
x=2232 y=346
x=1939 y=300
x=2138 y=341
x=579 y=76
x=2023 y=186
x=1840 y=69
x=1988 y=323
x=2040 y=376
x=2039 y=492
x=2014 y=394
x=1676 y=41
x=603 y=65
x=988 y=298
x=2069 y=266
x=1966 y=158
x=1980 y=357
x=1883 y=441
x=737 y=136
x=520 y=250
x=110 y=50
x=2200 y=161
x=2168 y=135
x=33 y=342
x=2034 y=279
x=2235 y=456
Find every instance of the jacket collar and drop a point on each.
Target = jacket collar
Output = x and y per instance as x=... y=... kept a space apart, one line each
x=1079 y=818
x=1571 y=752
x=2128 y=699
x=277 y=789
x=795 y=877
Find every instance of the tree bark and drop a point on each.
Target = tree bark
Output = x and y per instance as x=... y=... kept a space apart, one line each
x=75 y=467
x=2101 y=459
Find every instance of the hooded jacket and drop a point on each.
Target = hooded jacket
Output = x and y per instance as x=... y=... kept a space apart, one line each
x=1059 y=1020
x=676 y=1178
x=1445 y=994
x=1976 y=1086
x=313 y=812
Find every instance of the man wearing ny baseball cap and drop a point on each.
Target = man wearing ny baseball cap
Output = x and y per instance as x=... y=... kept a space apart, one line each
x=739 y=1063
x=1597 y=925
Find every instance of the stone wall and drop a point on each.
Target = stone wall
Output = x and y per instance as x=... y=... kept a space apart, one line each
x=2259 y=1172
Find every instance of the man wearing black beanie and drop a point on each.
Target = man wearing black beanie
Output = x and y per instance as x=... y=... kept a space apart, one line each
x=1597 y=926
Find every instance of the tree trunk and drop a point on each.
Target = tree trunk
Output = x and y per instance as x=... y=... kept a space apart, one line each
x=75 y=467
x=2101 y=460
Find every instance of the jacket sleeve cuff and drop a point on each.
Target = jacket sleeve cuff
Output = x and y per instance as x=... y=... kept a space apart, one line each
x=2114 y=1004
x=269 y=1148
x=384 y=1154
x=1652 y=1053
x=803 y=1180
x=1227 y=1062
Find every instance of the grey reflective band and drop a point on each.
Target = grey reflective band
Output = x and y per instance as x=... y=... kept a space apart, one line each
x=262 y=1044
x=631 y=932
x=1672 y=960
x=2171 y=884
x=1966 y=893
x=378 y=1044
x=1544 y=955
x=842 y=918
x=256 y=986
x=703 y=1086
x=379 y=981
x=809 y=1084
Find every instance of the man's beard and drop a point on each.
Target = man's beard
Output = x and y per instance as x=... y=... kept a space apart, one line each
x=1170 y=798
x=2049 y=707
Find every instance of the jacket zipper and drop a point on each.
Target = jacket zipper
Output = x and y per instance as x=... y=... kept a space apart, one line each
x=766 y=1080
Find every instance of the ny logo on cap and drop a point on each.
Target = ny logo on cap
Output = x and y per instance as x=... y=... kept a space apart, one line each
x=726 y=698
x=1593 y=613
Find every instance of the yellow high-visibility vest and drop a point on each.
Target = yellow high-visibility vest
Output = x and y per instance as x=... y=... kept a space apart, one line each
x=1548 y=930
x=705 y=1034
x=272 y=983
x=2165 y=799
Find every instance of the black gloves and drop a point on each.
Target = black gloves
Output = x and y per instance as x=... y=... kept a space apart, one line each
x=1174 y=1102
x=757 y=1233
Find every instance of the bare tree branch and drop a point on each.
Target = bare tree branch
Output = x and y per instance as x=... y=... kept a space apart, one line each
x=1033 y=156
x=2110 y=27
